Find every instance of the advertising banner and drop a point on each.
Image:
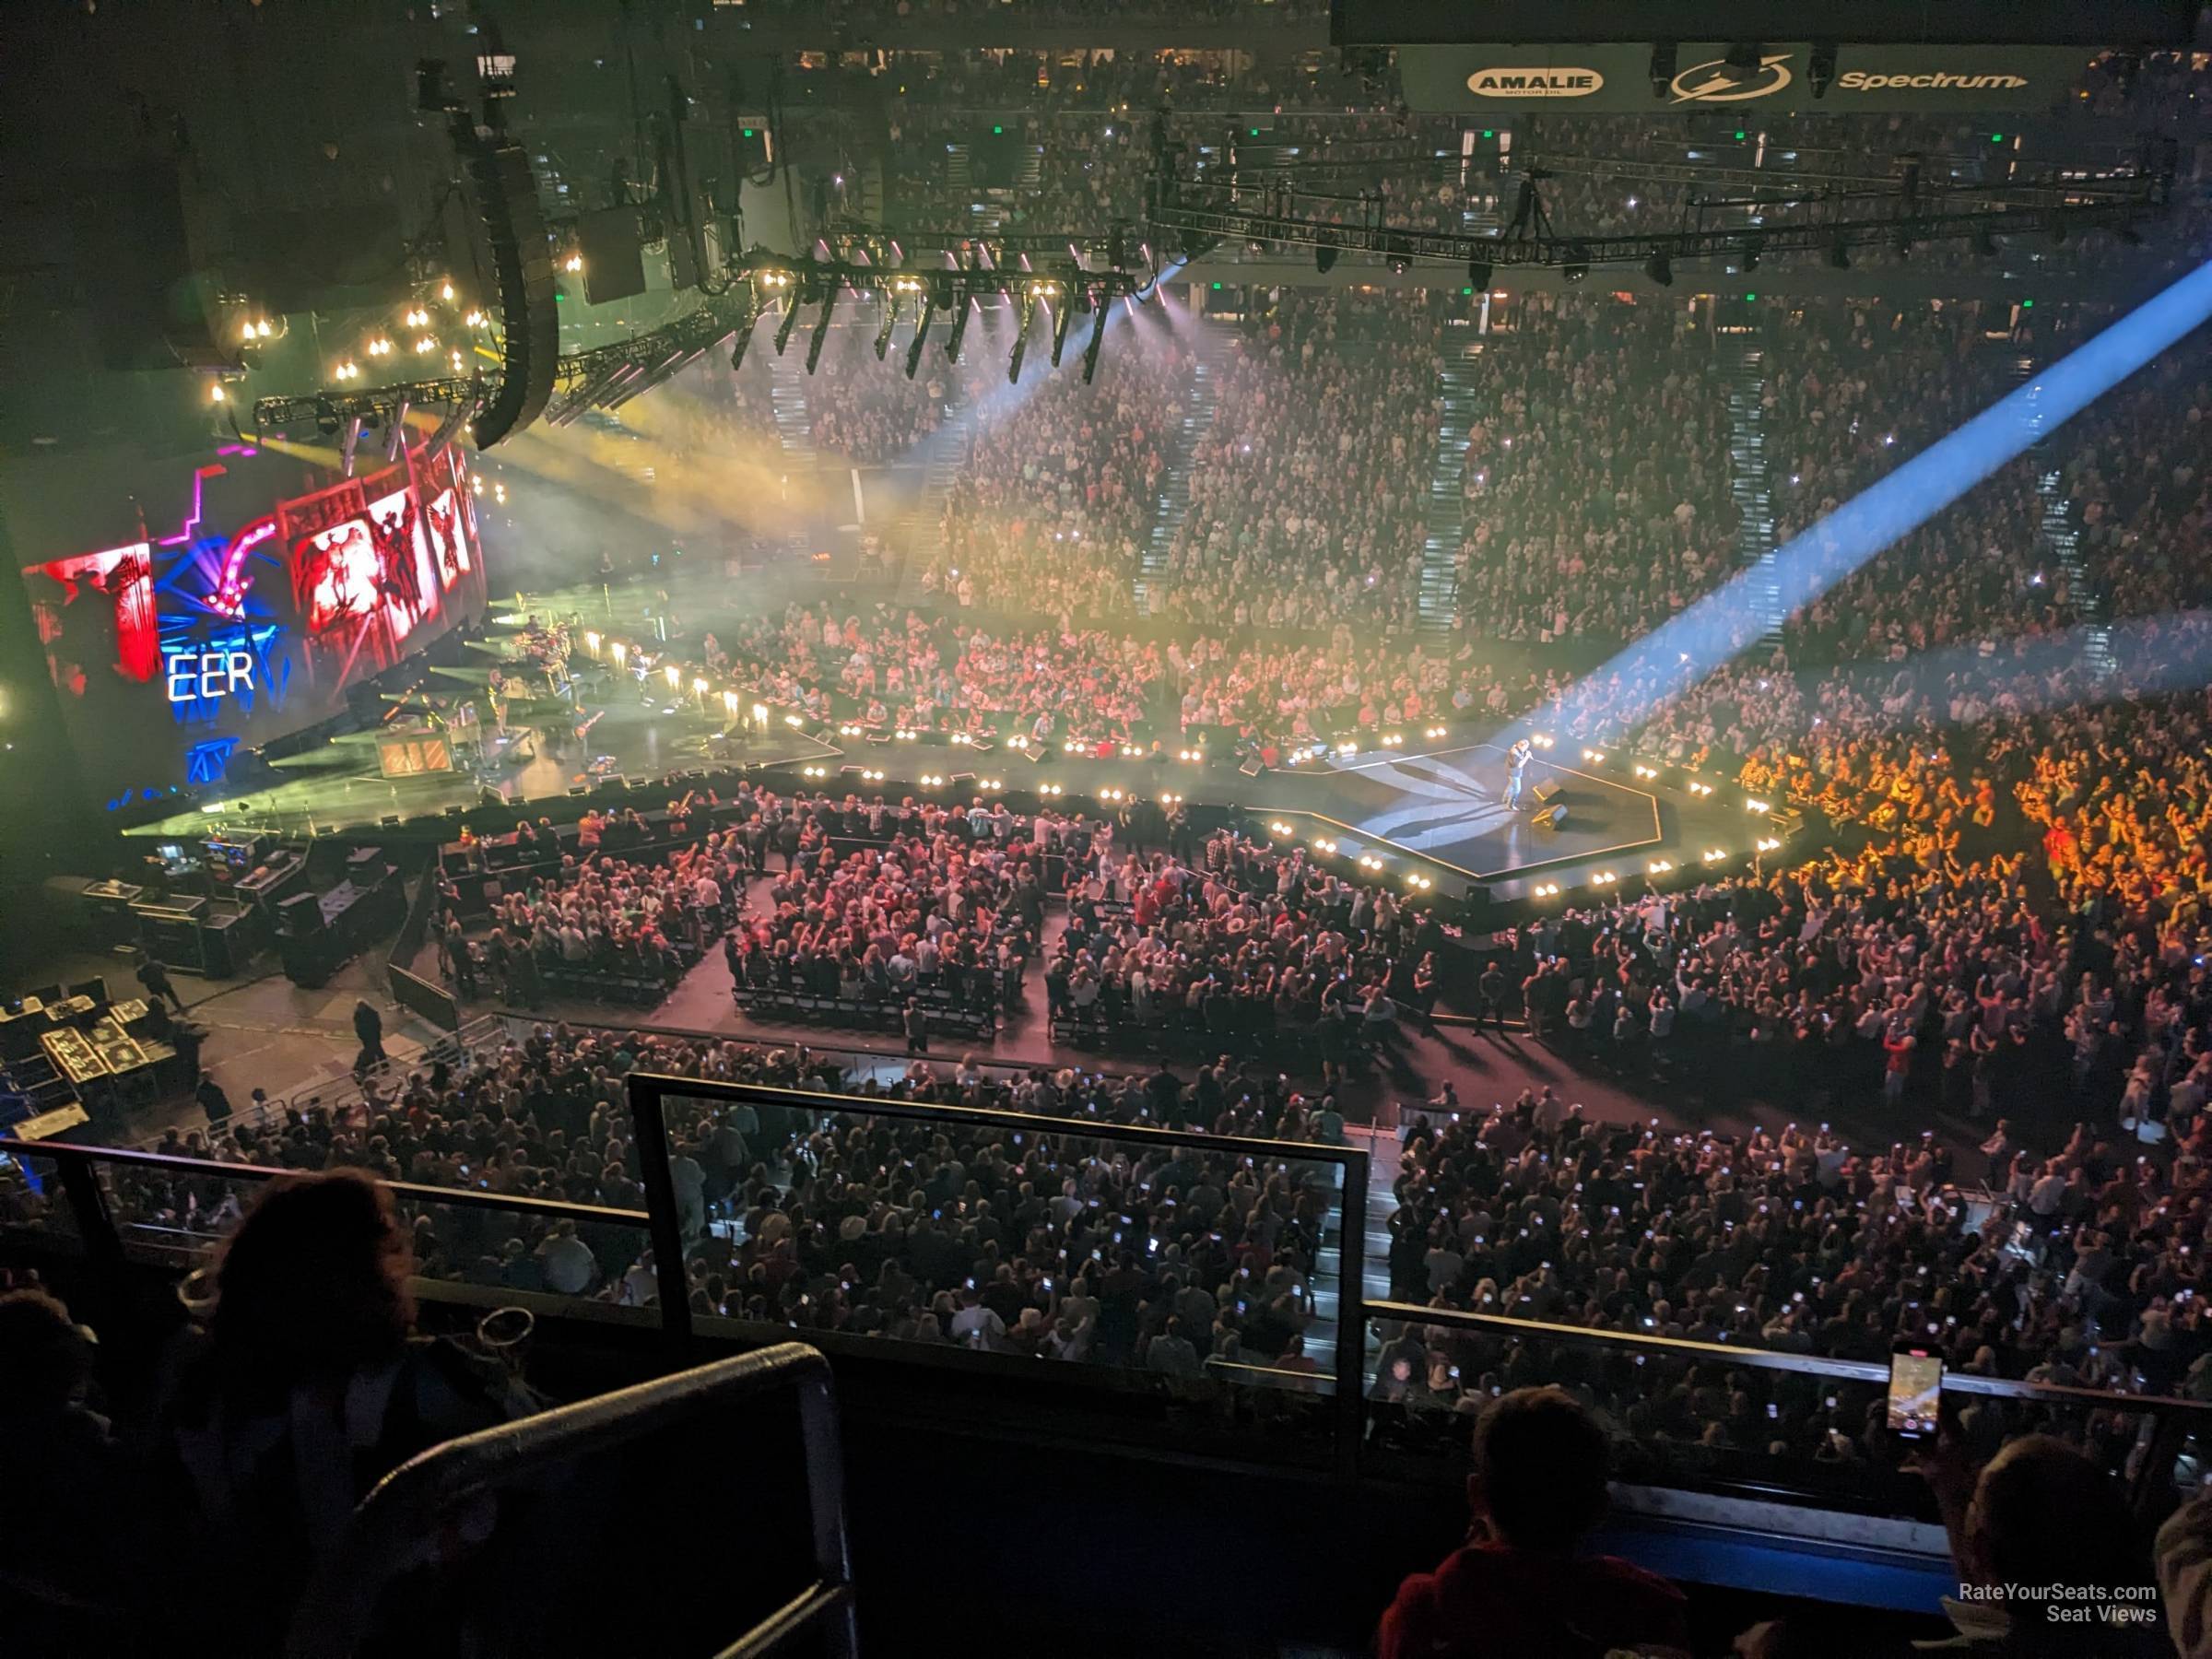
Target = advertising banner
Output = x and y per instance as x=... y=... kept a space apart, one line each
x=1613 y=79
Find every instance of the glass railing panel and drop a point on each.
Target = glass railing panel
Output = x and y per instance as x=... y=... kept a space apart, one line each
x=1206 y=1274
x=175 y=1213
x=1699 y=1415
x=31 y=1199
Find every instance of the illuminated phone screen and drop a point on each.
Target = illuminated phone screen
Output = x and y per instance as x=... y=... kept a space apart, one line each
x=1915 y=1391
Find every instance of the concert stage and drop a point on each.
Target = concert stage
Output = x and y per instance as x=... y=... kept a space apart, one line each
x=636 y=740
x=1446 y=807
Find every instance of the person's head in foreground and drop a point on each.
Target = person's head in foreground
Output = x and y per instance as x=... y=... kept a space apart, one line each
x=1520 y=1585
x=314 y=1285
x=2044 y=1520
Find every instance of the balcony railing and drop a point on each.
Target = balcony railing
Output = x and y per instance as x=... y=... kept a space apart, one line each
x=1685 y=1412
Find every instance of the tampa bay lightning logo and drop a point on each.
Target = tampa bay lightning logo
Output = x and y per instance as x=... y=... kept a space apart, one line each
x=1715 y=81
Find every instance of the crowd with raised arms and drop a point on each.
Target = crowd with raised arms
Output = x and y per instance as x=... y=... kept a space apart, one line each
x=1309 y=493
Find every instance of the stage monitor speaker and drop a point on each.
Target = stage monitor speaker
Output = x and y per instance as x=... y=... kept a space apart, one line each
x=1251 y=769
x=579 y=789
x=1551 y=817
x=614 y=257
x=299 y=916
x=1545 y=791
x=504 y=195
x=389 y=821
x=1036 y=755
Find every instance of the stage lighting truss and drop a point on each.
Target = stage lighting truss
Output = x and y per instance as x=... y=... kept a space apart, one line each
x=755 y=287
x=1301 y=204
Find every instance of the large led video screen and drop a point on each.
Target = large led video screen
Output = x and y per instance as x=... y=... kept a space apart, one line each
x=249 y=616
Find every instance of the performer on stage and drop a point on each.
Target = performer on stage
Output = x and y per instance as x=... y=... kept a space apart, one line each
x=1516 y=771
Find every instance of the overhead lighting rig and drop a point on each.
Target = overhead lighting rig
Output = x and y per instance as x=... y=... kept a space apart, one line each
x=1817 y=215
x=608 y=376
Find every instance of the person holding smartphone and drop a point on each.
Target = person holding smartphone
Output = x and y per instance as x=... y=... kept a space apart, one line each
x=2004 y=1535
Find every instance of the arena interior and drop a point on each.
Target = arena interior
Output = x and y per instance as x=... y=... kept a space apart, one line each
x=1105 y=826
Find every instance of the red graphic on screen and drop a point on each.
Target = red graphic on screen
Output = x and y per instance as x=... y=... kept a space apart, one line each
x=103 y=619
x=295 y=583
x=448 y=543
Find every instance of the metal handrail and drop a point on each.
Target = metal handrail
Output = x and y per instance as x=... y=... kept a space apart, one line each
x=991 y=1117
x=1811 y=1365
x=68 y=1152
x=832 y=1048
x=418 y=1500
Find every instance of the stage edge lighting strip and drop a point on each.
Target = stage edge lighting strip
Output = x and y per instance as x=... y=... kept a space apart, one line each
x=1708 y=634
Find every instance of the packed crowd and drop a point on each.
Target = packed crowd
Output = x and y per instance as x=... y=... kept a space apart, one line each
x=595 y=913
x=1068 y=1246
x=1308 y=495
x=887 y=670
x=926 y=912
x=1060 y=480
x=1251 y=945
x=1596 y=476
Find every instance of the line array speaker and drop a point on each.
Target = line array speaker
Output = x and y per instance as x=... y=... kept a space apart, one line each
x=522 y=259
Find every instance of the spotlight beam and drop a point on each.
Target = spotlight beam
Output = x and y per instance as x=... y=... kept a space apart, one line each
x=1684 y=651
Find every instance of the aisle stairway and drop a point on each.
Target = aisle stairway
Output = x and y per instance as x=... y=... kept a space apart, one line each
x=2061 y=542
x=1742 y=361
x=921 y=530
x=1174 y=504
x=1455 y=384
x=794 y=425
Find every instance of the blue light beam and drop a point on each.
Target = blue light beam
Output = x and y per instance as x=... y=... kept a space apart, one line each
x=1710 y=632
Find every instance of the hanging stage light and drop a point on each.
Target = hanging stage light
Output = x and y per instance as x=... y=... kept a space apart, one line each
x=891 y=321
x=743 y=339
x=791 y=322
x=1025 y=313
x=1062 y=315
x=962 y=304
x=1098 y=337
x=913 y=352
x=821 y=326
